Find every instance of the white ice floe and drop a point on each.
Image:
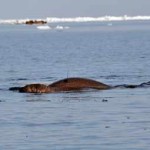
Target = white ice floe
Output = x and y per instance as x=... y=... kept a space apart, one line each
x=59 y=27
x=97 y=19
x=44 y=27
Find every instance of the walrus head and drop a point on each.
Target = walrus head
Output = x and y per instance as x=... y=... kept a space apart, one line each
x=35 y=88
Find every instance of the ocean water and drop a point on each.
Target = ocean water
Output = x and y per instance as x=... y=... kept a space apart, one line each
x=110 y=52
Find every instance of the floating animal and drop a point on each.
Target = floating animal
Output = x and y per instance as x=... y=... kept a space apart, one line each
x=70 y=84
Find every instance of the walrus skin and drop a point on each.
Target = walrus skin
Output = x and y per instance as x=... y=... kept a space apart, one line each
x=68 y=84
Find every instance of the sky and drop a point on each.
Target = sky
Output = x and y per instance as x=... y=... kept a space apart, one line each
x=10 y=9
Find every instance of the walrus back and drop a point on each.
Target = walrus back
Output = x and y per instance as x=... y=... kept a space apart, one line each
x=78 y=83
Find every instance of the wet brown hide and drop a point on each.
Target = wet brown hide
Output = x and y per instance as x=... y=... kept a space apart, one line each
x=68 y=84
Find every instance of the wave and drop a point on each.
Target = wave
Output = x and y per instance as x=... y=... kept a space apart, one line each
x=132 y=86
x=80 y=19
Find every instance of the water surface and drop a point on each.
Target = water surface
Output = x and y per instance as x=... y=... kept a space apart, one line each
x=110 y=119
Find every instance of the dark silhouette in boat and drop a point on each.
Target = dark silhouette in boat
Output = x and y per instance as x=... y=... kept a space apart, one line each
x=70 y=84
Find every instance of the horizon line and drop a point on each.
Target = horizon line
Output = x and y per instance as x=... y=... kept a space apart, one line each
x=79 y=19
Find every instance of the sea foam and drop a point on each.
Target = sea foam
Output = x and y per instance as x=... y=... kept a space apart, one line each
x=79 y=19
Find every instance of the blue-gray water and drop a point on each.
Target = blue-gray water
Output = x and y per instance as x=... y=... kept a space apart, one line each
x=117 y=119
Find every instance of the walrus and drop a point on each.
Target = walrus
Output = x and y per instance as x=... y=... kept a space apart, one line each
x=68 y=84
x=72 y=84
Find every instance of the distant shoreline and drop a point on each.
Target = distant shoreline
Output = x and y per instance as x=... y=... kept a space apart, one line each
x=75 y=19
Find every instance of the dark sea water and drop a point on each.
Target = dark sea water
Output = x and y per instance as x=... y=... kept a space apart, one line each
x=117 y=119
